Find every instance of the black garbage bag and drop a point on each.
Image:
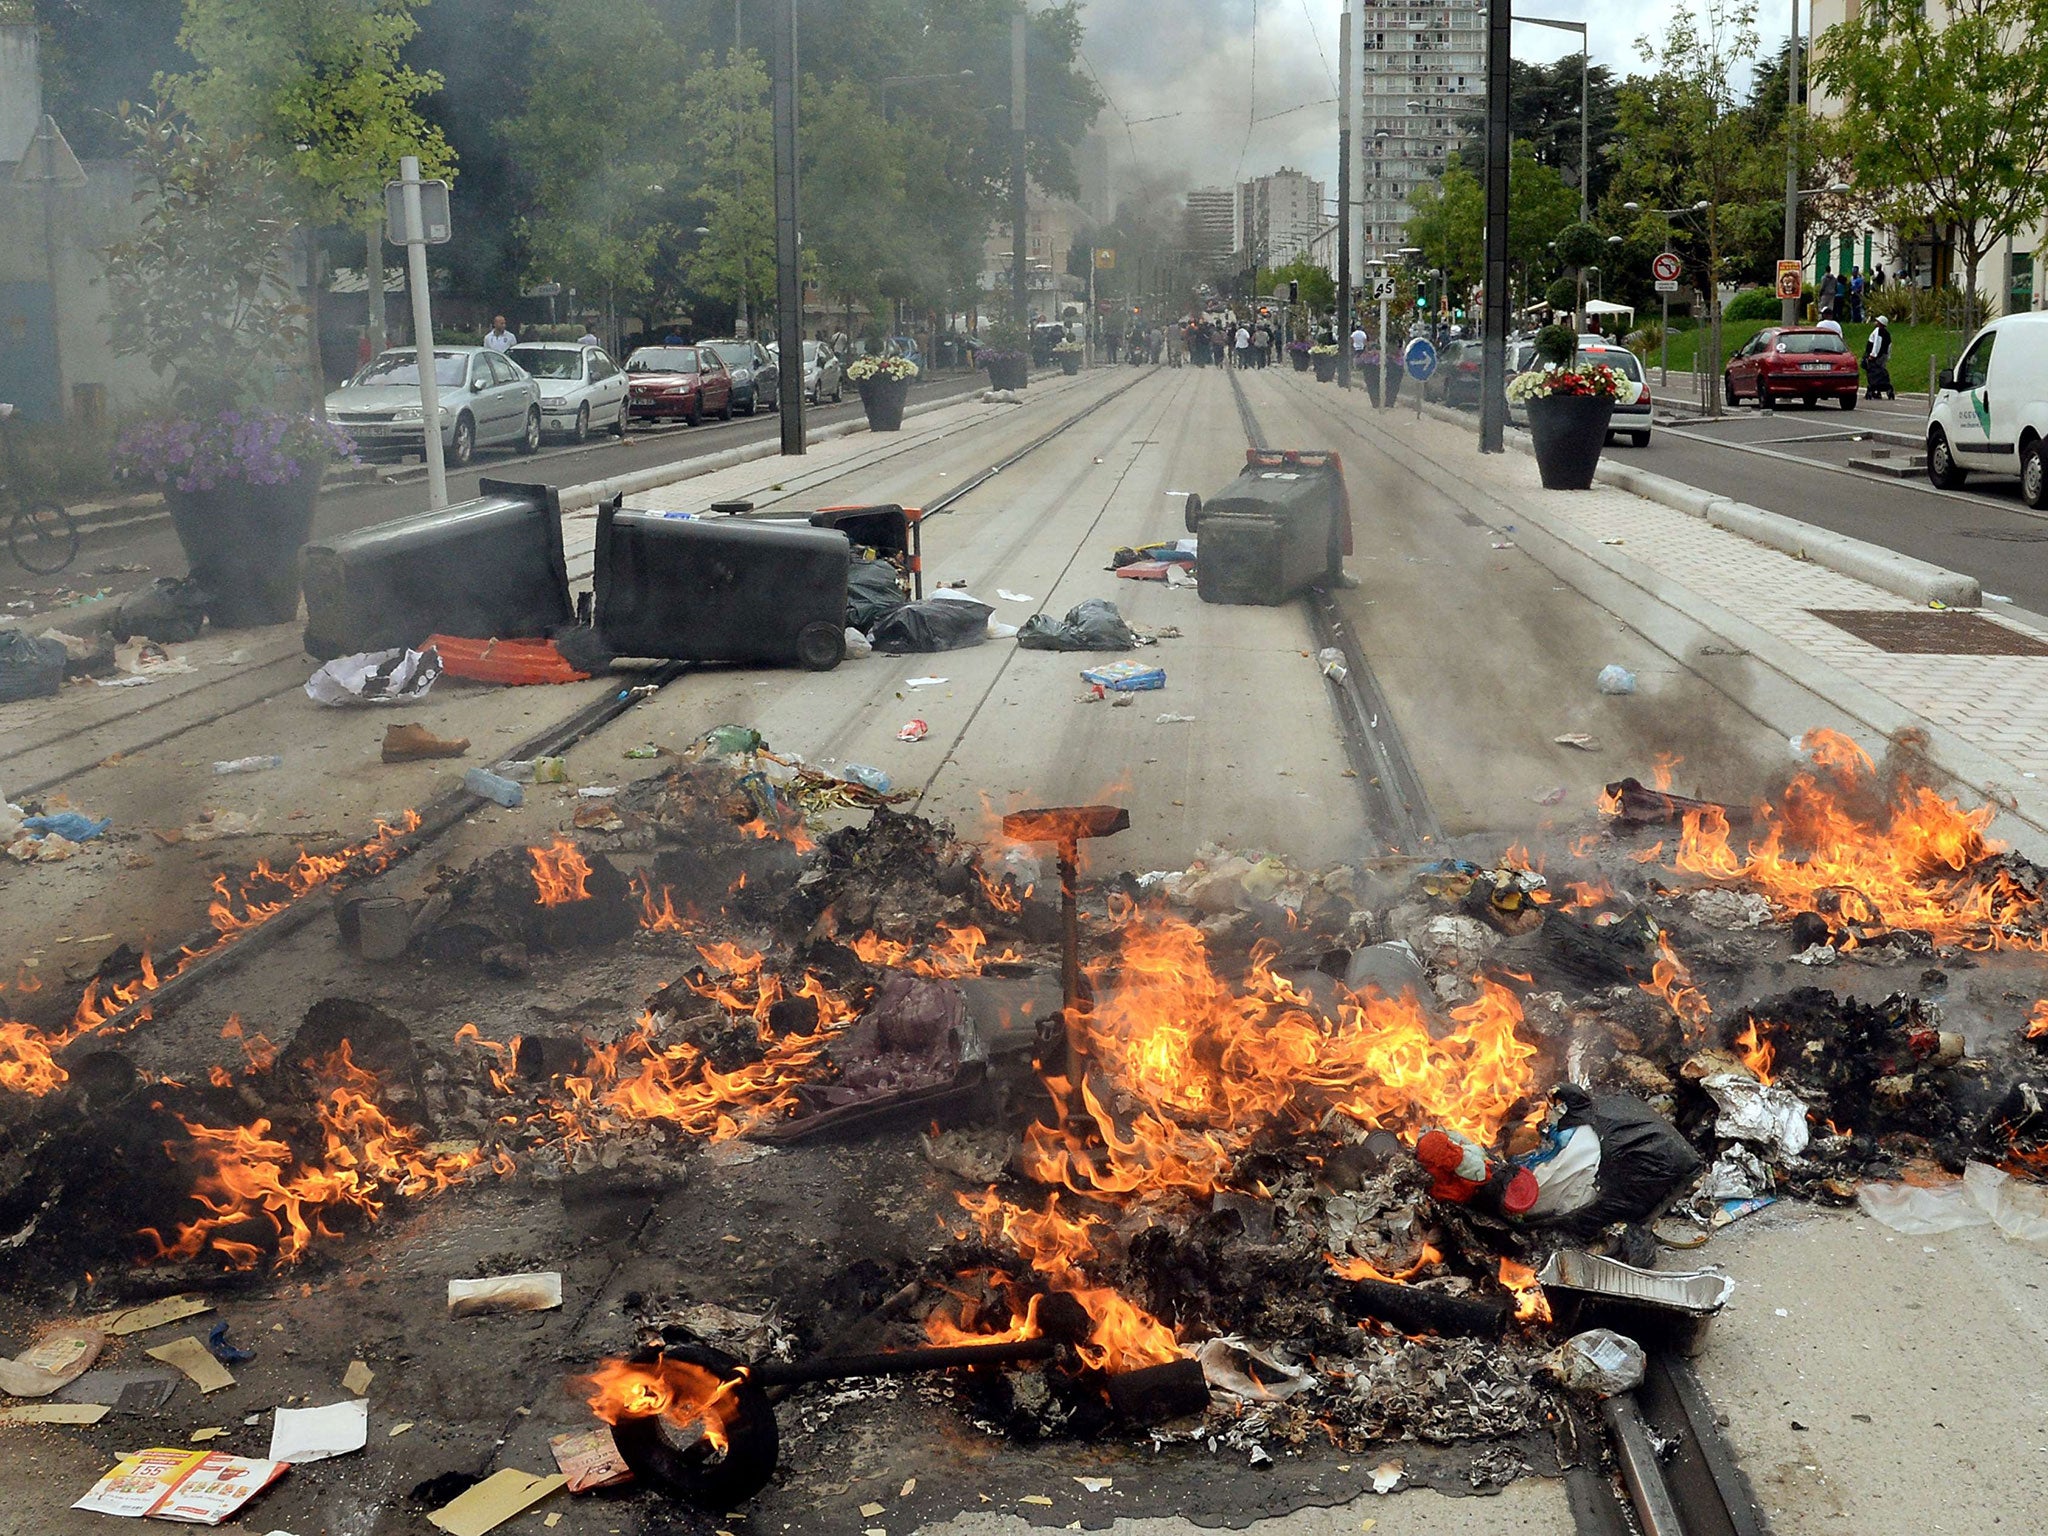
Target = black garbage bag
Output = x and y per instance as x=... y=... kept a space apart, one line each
x=170 y=610
x=30 y=668
x=1642 y=1158
x=871 y=591
x=936 y=624
x=1091 y=626
x=583 y=648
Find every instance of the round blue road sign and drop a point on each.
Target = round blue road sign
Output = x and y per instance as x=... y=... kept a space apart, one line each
x=1419 y=358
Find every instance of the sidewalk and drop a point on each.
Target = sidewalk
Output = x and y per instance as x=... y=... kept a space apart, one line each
x=1985 y=717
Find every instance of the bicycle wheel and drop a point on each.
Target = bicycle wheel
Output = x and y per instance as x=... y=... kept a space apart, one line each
x=42 y=537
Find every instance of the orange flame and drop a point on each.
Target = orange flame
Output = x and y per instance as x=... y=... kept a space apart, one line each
x=661 y=918
x=1757 y=1052
x=957 y=953
x=1661 y=771
x=1531 y=1305
x=1349 y=1268
x=560 y=873
x=1672 y=981
x=2037 y=1022
x=688 y=1396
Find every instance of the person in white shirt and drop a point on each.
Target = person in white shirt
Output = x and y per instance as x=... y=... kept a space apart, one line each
x=1243 y=344
x=498 y=339
x=587 y=339
x=1828 y=322
x=1358 y=339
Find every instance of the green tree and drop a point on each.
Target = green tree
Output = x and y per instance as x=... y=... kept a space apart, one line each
x=321 y=87
x=1685 y=136
x=1945 y=120
x=1448 y=221
x=726 y=126
x=1318 y=290
x=598 y=143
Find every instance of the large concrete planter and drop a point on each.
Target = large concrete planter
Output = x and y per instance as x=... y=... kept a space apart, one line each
x=1326 y=369
x=1569 y=431
x=242 y=543
x=1009 y=373
x=883 y=400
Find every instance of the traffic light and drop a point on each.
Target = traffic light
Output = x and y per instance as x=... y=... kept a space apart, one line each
x=1422 y=301
x=1294 y=290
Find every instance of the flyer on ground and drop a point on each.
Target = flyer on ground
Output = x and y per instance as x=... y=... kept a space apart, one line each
x=199 y=1487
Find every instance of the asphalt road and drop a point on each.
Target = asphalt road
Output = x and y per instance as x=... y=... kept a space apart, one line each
x=126 y=558
x=1794 y=461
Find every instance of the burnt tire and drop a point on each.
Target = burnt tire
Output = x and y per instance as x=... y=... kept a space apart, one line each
x=821 y=647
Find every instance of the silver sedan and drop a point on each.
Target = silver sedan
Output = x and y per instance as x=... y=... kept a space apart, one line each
x=484 y=399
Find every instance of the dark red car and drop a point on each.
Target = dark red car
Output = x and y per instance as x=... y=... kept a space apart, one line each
x=667 y=383
x=1793 y=363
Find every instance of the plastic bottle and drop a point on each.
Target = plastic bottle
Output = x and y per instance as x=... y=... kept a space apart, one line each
x=501 y=791
x=1331 y=660
x=250 y=764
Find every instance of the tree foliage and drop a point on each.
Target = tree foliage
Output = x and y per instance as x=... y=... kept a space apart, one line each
x=1543 y=112
x=203 y=290
x=1449 y=218
x=1946 y=124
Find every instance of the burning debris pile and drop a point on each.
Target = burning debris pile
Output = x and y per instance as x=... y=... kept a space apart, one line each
x=1268 y=1157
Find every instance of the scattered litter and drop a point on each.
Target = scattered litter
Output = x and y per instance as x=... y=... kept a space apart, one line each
x=375 y=677
x=68 y=825
x=1551 y=796
x=141 y=1393
x=1754 y=1111
x=1039 y=1498
x=1503 y=543
x=925 y=682
x=641 y=754
x=1173 y=719
x=29 y=668
x=413 y=742
x=1613 y=541
x=533 y=770
x=1015 y=597
x=190 y=1356
x=319 y=1434
x=866 y=777
x=398 y=1429
x=493 y=1501
x=858 y=644
x=945 y=621
x=1095 y=1484
x=170 y=611
x=597 y=791
x=1386 y=1476
x=1983 y=1196
x=357 y=1378
x=55 y=1413
x=197 y=1487
x=1579 y=739
x=1599 y=1361
x=589 y=1458
x=53 y=1361
x=869 y=1511
x=536 y=1292
x=1231 y=1364
x=1125 y=677
x=517 y=663
x=259 y=764
x=218 y=1346
x=1615 y=679
x=1123 y=701
x=1094 y=625
x=1996 y=597
x=914 y=730
x=201 y=1436
x=1720 y=908
x=492 y=787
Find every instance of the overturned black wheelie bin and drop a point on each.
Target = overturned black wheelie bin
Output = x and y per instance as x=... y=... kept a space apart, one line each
x=732 y=589
x=489 y=568
x=1284 y=524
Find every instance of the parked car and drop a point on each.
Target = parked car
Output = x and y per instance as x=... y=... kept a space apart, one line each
x=1784 y=362
x=824 y=379
x=756 y=377
x=581 y=388
x=1990 y=414
x=1459 y=367
x=485 y=400
x=1631 y=416
x=667 y=383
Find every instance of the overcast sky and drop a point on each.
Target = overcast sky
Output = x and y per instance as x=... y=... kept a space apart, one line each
x=1189 y=64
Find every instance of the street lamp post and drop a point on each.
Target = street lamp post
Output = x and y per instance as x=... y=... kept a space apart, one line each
x=1585 y=105
x=1788 y=308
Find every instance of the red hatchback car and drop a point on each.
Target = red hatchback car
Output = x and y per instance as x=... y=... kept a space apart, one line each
x=664 y=383
x=1793 y=362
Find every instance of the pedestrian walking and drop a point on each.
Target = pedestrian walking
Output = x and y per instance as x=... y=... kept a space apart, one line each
x=499 y=339
x=1856 y=295
x=1828 y=322
x=1829 y=291
x=1877 y=361
x=1358 y=341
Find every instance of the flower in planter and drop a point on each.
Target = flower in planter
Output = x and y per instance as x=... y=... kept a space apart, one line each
x=1066 y=349
x=995 y=357
x=1324 y=349
x=1592 y=379
x=254 y=447
x=1302 y=346
x=895 y=368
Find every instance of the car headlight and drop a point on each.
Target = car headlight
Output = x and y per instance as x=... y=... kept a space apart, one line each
x=743 y=376
x=553 y=403
x=406 y=413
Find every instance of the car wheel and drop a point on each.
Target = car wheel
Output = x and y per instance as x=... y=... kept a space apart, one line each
x=1763 y=396
x=1942 y=468
x=726 y=414
x=2034 y=473
x=838 y=390
x=1809 y=401
x=619 y=422
x=1847 y=402
x=1728 y=388
x=530 y=443
x=1639 y=439
x=696 y=416
x=464 y=447
x=581 y=433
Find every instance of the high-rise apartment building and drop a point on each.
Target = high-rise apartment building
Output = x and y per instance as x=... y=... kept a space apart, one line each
x=1212 y=223
x=1423 y=65
x=1278 y=215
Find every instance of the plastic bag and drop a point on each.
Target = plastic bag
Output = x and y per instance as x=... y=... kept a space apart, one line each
x=2018 y=1209
x=375 y=677
x=932 y=625
x=871 y=591
x=168 y=610
x=1642 y=1157
x=1567 y=1175
x=1091 y=626
x=1599 y=1361
x=857 y=644
x=1921 y=1212
x=1613 y=679
x=1754 y=1111
x=29 y=668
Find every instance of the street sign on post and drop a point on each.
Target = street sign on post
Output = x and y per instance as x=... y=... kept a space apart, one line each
x=437 y=227
x=1791 y=279
x=1664 y=267
x=412 y=234
x=1419 y=358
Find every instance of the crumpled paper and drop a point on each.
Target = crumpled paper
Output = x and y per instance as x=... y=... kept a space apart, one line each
x=1231 y=1364
x=375 y=677
x=1761 y=1112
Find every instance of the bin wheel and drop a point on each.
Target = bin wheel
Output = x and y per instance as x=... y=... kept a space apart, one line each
x=1191 y=511
x=821 y=647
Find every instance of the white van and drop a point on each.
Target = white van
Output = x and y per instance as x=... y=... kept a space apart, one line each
x=1990 y=416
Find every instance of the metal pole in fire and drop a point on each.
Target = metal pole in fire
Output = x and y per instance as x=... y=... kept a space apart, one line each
x=789 y=291
x=1019 y=209
x=1493 y=400
x=423 y=331
x=1344 y=110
